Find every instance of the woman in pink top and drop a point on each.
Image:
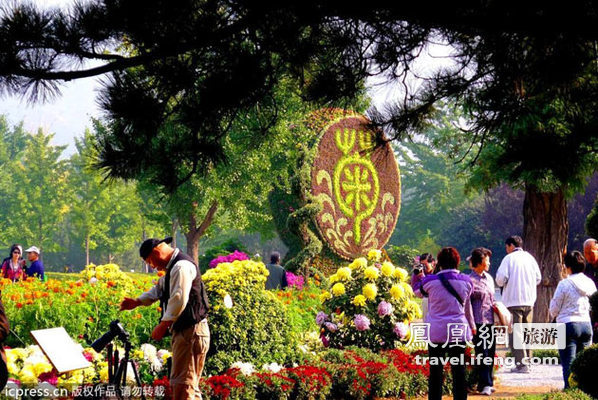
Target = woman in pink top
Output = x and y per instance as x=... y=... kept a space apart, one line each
x=13 y=267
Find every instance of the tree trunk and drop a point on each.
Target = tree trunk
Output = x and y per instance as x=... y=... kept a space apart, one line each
x=173 y=228
x=87 y=249
x=194 y=232
x=545 y=230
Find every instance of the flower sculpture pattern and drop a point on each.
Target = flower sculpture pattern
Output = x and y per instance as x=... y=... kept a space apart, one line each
x=356 y=179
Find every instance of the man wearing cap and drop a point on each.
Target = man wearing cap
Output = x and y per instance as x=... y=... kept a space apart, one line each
x=36 y=268
x=185 y=307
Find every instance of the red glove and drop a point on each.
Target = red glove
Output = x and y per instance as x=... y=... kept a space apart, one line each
x=160 y=330
x=129 y=304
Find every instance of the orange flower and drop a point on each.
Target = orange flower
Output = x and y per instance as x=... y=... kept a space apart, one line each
x=70 y=291
x=159 y=309
x=29 y=301
x=84 y=295
x=19 y=305
x=110 y=284
x=79 y=283
x=161 y=273
x=56 y=290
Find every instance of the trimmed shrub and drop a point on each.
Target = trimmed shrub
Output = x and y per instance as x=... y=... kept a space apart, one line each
x=583 y=370
x=255 y=328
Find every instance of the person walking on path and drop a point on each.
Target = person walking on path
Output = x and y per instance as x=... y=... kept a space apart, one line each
x=36 y=269
x=519 y=276
x=277 y=279
x=570 y=305
x=13 y=267
x=482 y=303
x=184 y=304
x=450 y=320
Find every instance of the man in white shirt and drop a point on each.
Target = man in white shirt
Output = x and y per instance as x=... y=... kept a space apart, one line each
x=518 y=275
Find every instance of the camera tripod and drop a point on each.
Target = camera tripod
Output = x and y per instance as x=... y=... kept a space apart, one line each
x=117 y=370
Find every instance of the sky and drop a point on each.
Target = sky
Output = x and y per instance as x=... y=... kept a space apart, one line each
x=68 y=115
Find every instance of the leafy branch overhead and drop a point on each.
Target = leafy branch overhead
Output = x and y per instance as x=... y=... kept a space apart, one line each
x=178 y=77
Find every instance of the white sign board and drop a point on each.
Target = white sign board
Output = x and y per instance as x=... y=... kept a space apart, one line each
x=64 y=354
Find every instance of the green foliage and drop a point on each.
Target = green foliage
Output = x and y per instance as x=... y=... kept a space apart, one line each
x=433 y=185
x=402 y=256
x=282 y=204
x=256 y=328
x=569 y=394
x=583 y=370
x=41 y=197
x=592 y=221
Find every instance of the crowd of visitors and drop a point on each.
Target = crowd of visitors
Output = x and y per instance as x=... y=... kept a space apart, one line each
x=468 y=300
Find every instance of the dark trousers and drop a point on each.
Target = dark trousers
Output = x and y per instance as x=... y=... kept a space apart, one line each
x=457 y=371
x=486 y=346
x=521 y=314
x=579 y=336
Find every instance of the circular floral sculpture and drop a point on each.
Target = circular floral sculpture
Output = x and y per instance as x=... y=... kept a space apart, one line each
x=356 y=179
x=368 y=304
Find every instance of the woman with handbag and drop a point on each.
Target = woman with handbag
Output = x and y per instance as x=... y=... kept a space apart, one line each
x=482 y=303
x=571 y=306
x=450 y=320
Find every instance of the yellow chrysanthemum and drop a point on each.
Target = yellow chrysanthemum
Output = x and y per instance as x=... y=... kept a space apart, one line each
x=370 y=291
x=413 y=309
x=325 y=296
x=374 y=255
x=401 y=274
x=333 y=278
x=359 y=300
x=407 y=289
x=358 y=263
x=343 y=273
x=27 y=375
x=372 y=273
x=387 y=269
x=41 y=367
x=397 y=292
x=338 y=289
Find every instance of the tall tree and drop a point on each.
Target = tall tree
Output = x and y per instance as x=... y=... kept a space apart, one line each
x=42 y=200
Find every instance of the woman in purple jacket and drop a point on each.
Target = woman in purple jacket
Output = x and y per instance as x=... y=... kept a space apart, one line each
x=451 y=322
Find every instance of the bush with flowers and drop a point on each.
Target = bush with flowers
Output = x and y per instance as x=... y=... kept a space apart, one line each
x=229 y=258
x=254 y=325
x=368 y=304
x=107 y=272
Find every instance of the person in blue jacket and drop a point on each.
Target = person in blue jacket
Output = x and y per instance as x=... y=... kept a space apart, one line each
x=37 y=266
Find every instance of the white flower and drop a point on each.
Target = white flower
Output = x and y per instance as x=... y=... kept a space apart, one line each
x=272 y=367
x=149 y=351
x=245 y=367
x=228 y=302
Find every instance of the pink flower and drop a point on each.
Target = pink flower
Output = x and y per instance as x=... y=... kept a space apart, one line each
x=362 y=323
x=400 y=329
x=295 y=280
x=384 y=308
x=321 y=317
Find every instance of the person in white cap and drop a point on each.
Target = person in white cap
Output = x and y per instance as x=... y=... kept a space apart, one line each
x=37 y=266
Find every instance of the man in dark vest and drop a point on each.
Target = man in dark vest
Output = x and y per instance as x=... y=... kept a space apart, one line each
x=184 y=304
